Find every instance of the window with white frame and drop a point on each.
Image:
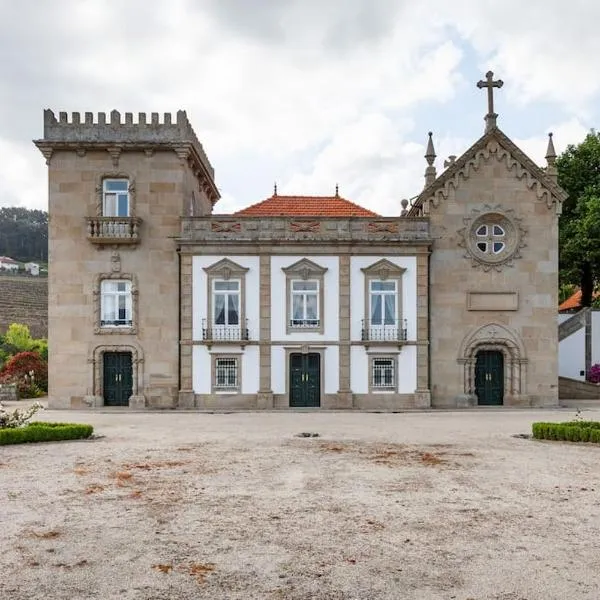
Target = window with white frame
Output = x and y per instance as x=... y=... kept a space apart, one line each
x=115 y=198
x=304 y=303
x=115 y=303
x=226 y=302
x=383 y=299
x=383 y=374
x=226 y=373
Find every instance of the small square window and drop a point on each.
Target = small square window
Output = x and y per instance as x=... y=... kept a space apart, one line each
x=383 y=374
x=226 y=374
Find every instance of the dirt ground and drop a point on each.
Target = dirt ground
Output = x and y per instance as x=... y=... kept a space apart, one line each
x=424 y=506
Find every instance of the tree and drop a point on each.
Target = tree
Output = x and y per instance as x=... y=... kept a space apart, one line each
x=579 y=175
x=24 y=234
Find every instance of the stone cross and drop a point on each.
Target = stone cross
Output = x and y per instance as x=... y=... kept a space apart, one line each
x=490 y=84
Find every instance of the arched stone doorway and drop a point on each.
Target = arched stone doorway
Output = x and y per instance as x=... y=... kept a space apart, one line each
x=98 y=372
x=494 y=366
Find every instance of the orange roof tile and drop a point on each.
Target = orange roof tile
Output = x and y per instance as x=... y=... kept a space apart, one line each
x=574 y=301
x=306 y=206
x=571 y=302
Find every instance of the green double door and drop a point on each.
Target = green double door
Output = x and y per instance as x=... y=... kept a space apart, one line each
x=118 y=378
x=305 y=379
x=489 y=378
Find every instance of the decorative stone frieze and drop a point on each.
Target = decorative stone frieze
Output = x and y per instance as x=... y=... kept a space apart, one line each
x=235 y=229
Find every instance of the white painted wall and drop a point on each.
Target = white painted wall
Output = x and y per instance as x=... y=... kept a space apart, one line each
x=357 y=295
x=407 y=369
x=201 y=374
x=200 y=291
x=278 y=300
x=571 y=350
x=331 y=369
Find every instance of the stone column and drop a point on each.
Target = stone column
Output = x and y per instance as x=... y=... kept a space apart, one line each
x=265 y=393
x=423 y=393
x=345 y=390
x=186 y=391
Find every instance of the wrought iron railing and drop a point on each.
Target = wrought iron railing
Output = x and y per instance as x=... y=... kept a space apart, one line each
x=111 y=230
x=390 y=331
x=224 y=333
x=304 y=323
x=116 y=323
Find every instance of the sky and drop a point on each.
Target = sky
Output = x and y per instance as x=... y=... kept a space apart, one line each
x=305 y=93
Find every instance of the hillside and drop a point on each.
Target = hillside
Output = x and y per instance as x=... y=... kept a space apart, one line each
x=24 y=300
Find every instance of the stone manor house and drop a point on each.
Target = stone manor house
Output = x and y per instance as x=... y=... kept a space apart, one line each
x=156 y=300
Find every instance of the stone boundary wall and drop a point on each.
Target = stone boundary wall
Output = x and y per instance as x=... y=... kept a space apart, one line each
x=8 y=392
x=572 y=389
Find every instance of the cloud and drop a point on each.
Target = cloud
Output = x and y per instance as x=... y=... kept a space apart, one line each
x=308 y=92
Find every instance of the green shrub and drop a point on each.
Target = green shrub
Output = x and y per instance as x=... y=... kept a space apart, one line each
x=45 y=432
x=572 y=431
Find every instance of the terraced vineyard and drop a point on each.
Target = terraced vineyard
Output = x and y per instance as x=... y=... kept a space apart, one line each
x=24 y=300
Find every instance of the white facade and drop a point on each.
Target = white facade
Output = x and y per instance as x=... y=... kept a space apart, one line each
x=32 y=268
x=202 y=354
x=571 y=350
x=8 y=264
x=284 y=341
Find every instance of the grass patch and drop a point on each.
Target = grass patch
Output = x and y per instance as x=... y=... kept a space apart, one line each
x=571 y=431
x=45 y=432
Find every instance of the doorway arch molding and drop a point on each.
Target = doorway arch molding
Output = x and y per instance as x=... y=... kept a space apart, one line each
x=97 y=362
x=496 y=337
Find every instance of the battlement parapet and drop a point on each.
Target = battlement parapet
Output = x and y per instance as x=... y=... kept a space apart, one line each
x=97 y=129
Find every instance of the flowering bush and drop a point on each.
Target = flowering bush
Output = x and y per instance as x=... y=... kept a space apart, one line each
x=29 y=371
x=19 y=417
x=594 y=374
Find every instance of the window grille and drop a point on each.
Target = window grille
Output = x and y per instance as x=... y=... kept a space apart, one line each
x=226 y=373
x=383 y=373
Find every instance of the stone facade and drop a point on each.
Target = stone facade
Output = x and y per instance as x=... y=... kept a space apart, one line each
x=480 y=244
x=166 y=169
x=485 y=302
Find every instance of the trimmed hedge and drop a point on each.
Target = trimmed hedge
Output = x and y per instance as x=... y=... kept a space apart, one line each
x=572 y=431
x=38 y=431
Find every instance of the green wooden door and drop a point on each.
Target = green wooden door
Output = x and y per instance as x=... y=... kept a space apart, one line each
x=118 y=378
x=489 y=377
x=305 y=379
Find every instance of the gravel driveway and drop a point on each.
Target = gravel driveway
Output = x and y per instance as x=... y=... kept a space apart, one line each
x=424 y=506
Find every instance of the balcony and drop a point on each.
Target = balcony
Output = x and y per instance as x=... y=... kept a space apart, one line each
x=215 y=333
x=113 y=230
x=388 y=332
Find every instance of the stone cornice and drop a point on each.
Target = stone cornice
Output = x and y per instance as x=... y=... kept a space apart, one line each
x=237 y=230
x=493 y=144
x=186 y=151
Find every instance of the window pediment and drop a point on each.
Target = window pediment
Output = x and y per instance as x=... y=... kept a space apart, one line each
x=226 y=269
x=383 y=269
x=304 y=269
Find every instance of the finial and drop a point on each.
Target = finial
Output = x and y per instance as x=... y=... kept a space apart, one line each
x=404 y=210
x=450 y=161
x=337 y=190
x=430 y=172
x=551 y=169
x=275 y=189
x=490 y=84
x=550 y=152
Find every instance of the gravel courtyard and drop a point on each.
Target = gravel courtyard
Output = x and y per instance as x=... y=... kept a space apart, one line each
x=424 y=506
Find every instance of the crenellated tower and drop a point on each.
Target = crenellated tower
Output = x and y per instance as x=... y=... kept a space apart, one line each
x=118 y=188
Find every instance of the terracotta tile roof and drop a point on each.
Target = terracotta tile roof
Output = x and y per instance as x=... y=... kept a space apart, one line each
x=574 y=301
x=306 y=206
